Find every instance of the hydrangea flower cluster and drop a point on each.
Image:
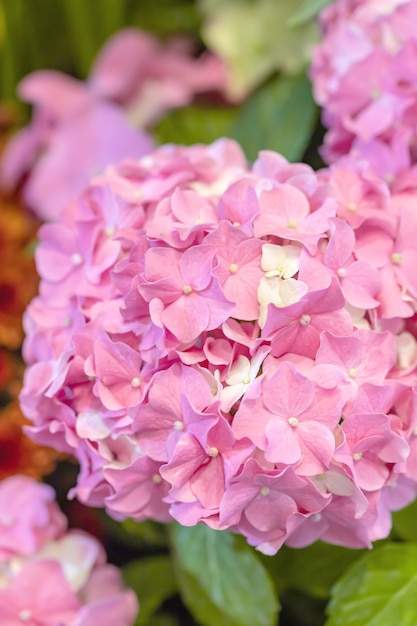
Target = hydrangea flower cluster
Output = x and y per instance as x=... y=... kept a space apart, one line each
x=231 y=345
x=364 y=77
x=49 y=575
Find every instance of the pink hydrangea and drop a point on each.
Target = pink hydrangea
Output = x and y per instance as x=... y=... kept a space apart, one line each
x=79 y=128
x=231 y=345
x=49 y=575
x=364 y=77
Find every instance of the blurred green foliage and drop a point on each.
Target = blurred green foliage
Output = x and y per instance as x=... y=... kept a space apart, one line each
x=67 y=34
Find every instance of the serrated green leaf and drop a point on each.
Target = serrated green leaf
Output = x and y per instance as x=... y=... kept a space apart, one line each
x=307 y=11
x=221 y=579
x=194 y=125
x=404 y=522
x=378 y=590
x=153 y=581
x=313 y=570
x=280 y=116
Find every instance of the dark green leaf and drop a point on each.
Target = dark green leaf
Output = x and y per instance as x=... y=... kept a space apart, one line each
x=146 y=534
x=307 y=11
x=165 y=17
x=280 y=116
x=194 y=125
x=313 y=569
x=405 y=522
x=221 y=580
x=378 y=590
x=153 y=581
x=163 y=619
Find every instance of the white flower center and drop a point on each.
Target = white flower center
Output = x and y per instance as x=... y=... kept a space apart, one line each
x=25 y=615
x=187 y=289
x=76 y=258
x=135 y=382
x=293 y=421
x=265 y=491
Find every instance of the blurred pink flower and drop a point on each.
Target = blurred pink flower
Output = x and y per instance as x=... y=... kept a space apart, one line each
x=49 y=575
x=79 y=128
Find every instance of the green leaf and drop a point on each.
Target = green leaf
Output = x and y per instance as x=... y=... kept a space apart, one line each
x=281 y=116
x=165 y=17
x=146 y=534
x=404 y=522
x=163 y=619
x=313 y=570
x=153 y=581
x=307 y=11
x=378 y=590
x=194 y=125
x=221 y=579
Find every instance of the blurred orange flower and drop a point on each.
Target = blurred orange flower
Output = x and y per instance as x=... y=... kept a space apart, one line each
x=18 y=454
x=18 y=284
x=18 y=278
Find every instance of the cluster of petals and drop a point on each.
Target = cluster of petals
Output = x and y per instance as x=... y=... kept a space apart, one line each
x=231 y=345
x=78 y=128
x=365 y=79
x=50 y=575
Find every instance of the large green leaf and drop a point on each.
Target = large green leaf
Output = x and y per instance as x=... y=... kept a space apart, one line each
x=194 y=125
x=280 y=116
x=313 y=570
x=378 y=590
x=404 y=522
x=153 y=581
x=164 y=619
x=221 y=580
